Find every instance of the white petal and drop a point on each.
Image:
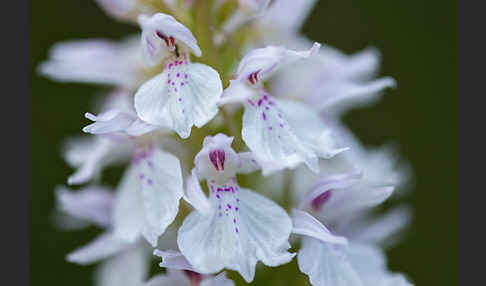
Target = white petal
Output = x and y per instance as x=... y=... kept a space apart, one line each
x=103 y=152
x=253 y=228
x=305 y=224
x=183 y=95
x=117 y=8
x=171 y=278
x=285 y=137
x=93 y=61
x=238 y=91
x=255 y=5
x=382 y=229
x=287 y=15
x=218 y=280
x=266 y=60
x=326 y=264
x=327 y=183
x=195 y=196
x=128 y=268
x=156 y=33
x=148 y=199
x=93 y=204
x=173 y=260
x=248 y=163
x=103 y=246
x=113 y=121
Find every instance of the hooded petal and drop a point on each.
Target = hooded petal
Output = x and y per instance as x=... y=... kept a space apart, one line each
x=246 y=228
x=128 y=268
x=159 y=33
x=305 y=224
x=94 y=61
x=195 y=196
x=103 y=246
x=148 y=198
x=183 y=95
x=326 y=264
x=283 y=134
x=264 y=61
x=93 y=204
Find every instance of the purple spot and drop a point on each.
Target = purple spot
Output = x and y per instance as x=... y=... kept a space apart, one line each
x=173 y=83
x=217 y=196
x=267 y=108
x=141 y=176
x=260 y=102
x=149 y=181
x=221 y=157
x=219 y=207
x=185 y=75
x=213 y=158
x=271 y=102
x=320 y=200
x=178 y=75
x=175 y=89
x=264 y=116
x=237 y=200
x=182 y=84
x=180 y=99
x=251 y=102
x=229 y=206
x=270 y=128
x=170 y=66
x=168 y=81
x=236 y=229
x=236 y=209
x=265 y=97
x=234 y=220
x=281 y=125
x=220 y=189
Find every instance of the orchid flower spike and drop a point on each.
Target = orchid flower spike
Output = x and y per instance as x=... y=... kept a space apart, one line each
x=184 y=93
x=235 y=227
x=280 y=133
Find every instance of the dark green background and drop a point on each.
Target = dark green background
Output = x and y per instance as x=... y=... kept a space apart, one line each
x=418 y=41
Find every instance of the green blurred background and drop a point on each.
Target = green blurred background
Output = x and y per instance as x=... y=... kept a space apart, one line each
x=418 y=42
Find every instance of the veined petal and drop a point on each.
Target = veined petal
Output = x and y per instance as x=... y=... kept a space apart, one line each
x=247 y=228
x=173 y=260
x=93 y=204
x=128 y=268
x=326 y=264
x=148 y=199
x=183 y=95
x=264 y=61
x=305 y=224
x=94 y=61
x=283 y=134
x=159 y=33
x=103 y=246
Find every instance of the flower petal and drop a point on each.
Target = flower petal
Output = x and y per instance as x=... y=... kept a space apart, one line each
x=181 y=96
x=159 y=33
x=257 y=229
x=173 y=260
x=265 y=61
x=287 y=15
x=103 y=246
x=91 y=156
x=113 y=121
x=326 y=264
x=283 y=134
x=218 y=280
x=117 y=8
x=195 y=196
x=127 y=268
x=305 y=224
x=93 y=204
x=148 y=199
x=94 y=61
x=248 y=163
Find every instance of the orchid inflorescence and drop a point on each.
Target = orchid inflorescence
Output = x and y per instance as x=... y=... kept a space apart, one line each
x=222 y=66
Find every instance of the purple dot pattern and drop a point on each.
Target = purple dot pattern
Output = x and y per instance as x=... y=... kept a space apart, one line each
x=227 y=200
x=269 y=113
x=178 y=79
x=143 y=158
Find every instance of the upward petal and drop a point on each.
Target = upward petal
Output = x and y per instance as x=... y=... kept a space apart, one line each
x=183 y=95
x=252 y=228
x=148 y=199
x=159 y=33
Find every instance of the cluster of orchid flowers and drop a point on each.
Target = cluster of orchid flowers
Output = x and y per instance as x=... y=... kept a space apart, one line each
x=292 y=145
